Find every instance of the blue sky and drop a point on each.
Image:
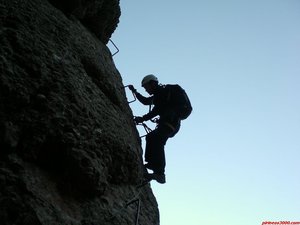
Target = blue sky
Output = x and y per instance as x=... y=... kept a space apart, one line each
x=236 y=160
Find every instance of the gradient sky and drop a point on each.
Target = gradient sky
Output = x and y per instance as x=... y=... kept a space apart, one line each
x=236 y=160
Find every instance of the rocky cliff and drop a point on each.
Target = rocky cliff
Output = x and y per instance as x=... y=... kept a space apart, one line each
x=69 y=150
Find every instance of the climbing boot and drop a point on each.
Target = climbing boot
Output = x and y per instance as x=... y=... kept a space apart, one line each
x=160 y=178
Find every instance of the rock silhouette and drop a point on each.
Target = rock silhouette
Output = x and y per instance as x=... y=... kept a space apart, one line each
x=69 y=150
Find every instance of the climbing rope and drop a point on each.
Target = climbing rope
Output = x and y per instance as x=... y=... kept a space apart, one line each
x=146 y=128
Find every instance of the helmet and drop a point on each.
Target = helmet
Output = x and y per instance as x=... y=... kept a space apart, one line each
x=149 y=78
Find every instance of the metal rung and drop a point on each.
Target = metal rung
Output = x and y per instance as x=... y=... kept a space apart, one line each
x=134 y=98
x=115 y=47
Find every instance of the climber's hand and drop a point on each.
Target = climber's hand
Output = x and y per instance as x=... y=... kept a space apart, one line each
x=131 y=88
x=138 y=119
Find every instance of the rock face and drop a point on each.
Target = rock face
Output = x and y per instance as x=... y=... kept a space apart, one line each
x=69 y=150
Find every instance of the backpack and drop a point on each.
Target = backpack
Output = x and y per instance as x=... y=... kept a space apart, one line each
x=179 y=100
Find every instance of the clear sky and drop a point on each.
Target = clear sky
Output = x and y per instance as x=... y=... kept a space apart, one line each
x=236 y=160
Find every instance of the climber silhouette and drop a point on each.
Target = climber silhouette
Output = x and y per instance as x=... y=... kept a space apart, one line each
x=167 y=125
